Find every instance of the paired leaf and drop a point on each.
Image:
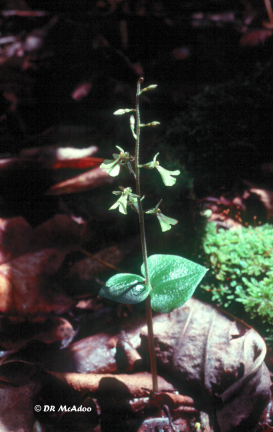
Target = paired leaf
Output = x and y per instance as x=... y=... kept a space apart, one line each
x=125 y=288
x=173 y=280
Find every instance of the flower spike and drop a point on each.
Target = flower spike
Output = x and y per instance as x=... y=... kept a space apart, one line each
x=166 y=175
x=165 y=221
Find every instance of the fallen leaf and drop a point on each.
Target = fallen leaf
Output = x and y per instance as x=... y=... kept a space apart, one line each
x=94 y=354
x=16 y=408
x=83 y=163
x=266 y=197
x=89 y=180
x=90 y=268
x=16 y=238
x=51 y=155
x=125 y=386
x=215 y=356
x=60 y=231
x=14 y=336
x=173 y=400
x=127 y=357
x=27 y=288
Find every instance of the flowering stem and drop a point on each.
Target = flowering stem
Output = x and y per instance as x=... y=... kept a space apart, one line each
x=144 y=246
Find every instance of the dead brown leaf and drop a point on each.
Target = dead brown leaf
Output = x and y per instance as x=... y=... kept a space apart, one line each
x=27 y=288
x=16 y=408
x=128 y=386
x=60 y=231
x=16 y=238
x=90 y=268
x=89 y=180
x=127 y=356
x=94 y=354
x=173 y=400
x=266 y=197
x=218 y=357
x=210 y=356
x=14 y=336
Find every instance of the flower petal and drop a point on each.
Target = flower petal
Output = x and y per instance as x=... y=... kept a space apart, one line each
x=165 y=221
x=166 y=175
x=121 y=203
x=111 y=167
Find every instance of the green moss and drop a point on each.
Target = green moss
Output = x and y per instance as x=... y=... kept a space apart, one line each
x=241 y=263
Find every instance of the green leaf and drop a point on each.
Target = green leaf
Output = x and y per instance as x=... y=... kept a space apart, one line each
x=125 y=288
x=173 y=280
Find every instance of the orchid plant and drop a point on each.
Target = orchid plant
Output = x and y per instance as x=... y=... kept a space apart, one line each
x=166 y=281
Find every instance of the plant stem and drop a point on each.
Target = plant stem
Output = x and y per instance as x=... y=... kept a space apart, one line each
x=149 y=318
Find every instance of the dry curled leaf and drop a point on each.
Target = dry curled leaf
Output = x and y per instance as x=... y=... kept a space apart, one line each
x=83 y=163
x=89 y=180
x=266 y=197
x=125 y=386
x=218 y=358
x=210 y=356
x=173 y=400
x=14 y=336
x=52 y=155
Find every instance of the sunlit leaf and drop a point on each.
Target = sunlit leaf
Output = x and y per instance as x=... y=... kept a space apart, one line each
x=173 y=280
x=125 y=288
